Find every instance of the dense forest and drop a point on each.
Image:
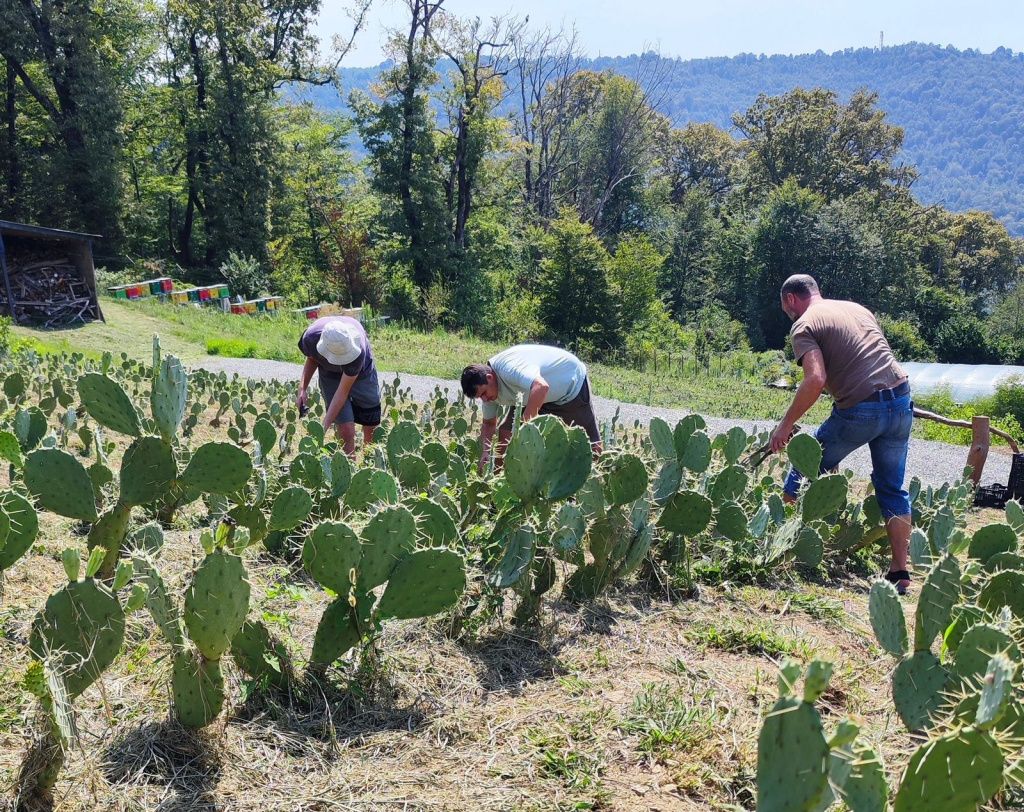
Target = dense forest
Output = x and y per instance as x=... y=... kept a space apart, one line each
x=500 y=177
x=962 y=112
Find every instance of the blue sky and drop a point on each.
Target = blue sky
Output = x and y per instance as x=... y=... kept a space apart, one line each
x=692 y=30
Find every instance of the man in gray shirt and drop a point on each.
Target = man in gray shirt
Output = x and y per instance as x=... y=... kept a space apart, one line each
x=548 y=380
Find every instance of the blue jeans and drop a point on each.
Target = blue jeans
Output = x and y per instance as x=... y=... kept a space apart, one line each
x=885 y=428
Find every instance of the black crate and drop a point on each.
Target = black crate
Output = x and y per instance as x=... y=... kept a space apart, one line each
x=992 y=496
x=1015 y=487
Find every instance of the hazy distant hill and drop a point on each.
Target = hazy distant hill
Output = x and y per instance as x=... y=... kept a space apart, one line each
x=962 y=111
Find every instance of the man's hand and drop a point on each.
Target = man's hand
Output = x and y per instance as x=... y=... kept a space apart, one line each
x=302 y=402
x=781 y=437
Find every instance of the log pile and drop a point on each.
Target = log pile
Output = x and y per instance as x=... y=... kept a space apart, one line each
x=50 y=291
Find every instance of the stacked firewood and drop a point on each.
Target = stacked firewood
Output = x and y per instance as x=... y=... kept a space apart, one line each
x=50 y=291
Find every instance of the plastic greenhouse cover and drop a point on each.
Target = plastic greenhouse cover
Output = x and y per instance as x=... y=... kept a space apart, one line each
x=965 y=382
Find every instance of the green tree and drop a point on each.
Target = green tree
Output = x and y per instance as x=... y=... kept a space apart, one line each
x=633 y=272
x=576 y=305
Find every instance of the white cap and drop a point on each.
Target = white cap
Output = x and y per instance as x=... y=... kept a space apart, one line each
x=340 y=343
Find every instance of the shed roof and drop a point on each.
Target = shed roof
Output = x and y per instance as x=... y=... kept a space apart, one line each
x=26 y=230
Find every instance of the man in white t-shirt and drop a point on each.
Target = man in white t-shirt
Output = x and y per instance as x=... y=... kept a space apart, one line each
x=547 y=380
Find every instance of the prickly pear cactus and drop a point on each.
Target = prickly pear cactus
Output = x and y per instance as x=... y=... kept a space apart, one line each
x=424 y=583
x=216 y=603
x=198 y=689
x=108 y=404
x=960 y=770
x=147 y=471
x=524 y=462
x=290 y=509
x=824 y=496
x=169 y=396
x=938 y=596
x=23 y=526
x=990 y=540
x=687 y=513
x=259 y=655
x=887 y=620
x=387 y=539
x=60 y=483
x=80 y=630
x=626 y=481
x=917 y=686
x=805 y=455
x=218 y=468
x=331 y=553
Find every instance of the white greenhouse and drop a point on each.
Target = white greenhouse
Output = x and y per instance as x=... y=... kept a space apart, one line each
x=965 y=382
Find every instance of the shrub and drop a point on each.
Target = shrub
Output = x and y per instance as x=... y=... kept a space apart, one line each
x=905 y=339
x=244 y=275
x=231 y=348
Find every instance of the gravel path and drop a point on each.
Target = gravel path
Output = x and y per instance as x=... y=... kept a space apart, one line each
x=933 y=462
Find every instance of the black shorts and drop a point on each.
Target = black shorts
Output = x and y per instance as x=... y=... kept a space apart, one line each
x=577 y=412
x=363 y=404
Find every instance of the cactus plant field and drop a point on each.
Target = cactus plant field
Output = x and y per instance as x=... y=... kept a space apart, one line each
x=206 y=604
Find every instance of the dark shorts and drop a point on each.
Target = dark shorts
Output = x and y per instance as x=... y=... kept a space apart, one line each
x=363 y=404
x=577 y=412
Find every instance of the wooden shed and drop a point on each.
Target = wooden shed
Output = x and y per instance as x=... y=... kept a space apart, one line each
x=48 y=275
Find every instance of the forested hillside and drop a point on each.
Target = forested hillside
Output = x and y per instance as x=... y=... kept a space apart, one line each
x=962 y=112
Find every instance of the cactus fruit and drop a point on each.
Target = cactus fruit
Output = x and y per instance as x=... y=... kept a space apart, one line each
x=1003 y=589
x=23 y=527
x=960 y=770
x=626 y=481
x=729 y=485
x=524 y=462
x=424 y=583
x=330 y=553
x=169 y=396
x=887 y=620
x=60 y=483
x=805 y=455
x=291 y=508
x=697 y=455
x=216 y=603
x=81 y=630
x=147 y=471
x=386 y=540
x=198 y=689
x=991 y=539
x=938 y=596
x=687 y=513
x=917 y=686
x=824 y=496
x=108 y=404
x=259 y=655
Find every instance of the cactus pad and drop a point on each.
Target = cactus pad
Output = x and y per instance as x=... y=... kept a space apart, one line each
x=997 y=688
x=109 y=404
x=60 y=483
x=524 y=462
x=147 y=471
x=169 y=396
x=626 y=481
x=735 y=444
x=291 y=508
x=147 y=540
x=423 y=584
x=687 y=513
x=257 y=654
x=667 y=482
x=413 y=472
x=731 y=522
x=960 y=770
x=824 y=496
x=433 y=522
x=729 y=485
x=570 y=526
x=81 y=628
x=1005 y=561
x=404 y=438
x=662 y=439
x=805 y=455
x=809 y=548
x=917 y=686
x=697 y=455
x=887 y=618
x=340 y=629
x=520 y=548
x=198 y=689
x=330 y=553
x=1003 y=589
x=24 y=525
x=436 y=457
x=938 y=596
x=388 y=538
x=792 y=757
x=1015 y=516
x=264 y=433
x=976 y=648
x=216 y=603
x=992 y=539
x=360 y=493
x=218 y=468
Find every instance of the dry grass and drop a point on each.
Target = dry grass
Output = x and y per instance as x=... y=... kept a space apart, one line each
x=623 y=705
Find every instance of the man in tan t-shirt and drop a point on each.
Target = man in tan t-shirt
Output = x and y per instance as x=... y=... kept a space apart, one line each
x=842 y=349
